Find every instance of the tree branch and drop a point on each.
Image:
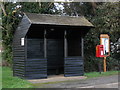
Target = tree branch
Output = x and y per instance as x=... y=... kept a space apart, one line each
x=2 y=7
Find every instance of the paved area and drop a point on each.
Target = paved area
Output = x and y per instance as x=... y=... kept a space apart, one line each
x=108 y=85
x=81 y=82
x=56 y=78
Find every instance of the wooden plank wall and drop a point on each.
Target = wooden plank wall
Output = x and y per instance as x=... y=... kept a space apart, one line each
x=36 y=64
x=18 y=50
x=73 y=66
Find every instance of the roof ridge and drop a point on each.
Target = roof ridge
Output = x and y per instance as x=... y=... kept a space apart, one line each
x=53 y=15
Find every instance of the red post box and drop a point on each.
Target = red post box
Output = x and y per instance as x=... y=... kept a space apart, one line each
x=99 y=51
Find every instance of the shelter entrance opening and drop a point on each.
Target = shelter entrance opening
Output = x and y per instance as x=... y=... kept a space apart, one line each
x=47 y=42
x=55 y=51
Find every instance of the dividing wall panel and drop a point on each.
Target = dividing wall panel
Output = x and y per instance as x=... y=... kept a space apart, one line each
x=73 y=66
x=36 y=64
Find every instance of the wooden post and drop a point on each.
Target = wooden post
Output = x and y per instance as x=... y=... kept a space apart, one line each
x=65 y=43
x=82 y=47
x=99 y=65
x=104 y=64
x=45 y=45
x=102 y=38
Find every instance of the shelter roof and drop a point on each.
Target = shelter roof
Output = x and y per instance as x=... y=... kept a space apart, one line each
x=58 y=20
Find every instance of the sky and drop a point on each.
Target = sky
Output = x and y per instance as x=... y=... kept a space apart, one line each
x=59 y=6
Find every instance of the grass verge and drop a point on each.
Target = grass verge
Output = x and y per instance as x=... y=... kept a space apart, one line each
x=8 y=81
x=97 y=74
x=0 y=78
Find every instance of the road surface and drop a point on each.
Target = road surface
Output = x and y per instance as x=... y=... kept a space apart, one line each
x=99 y=82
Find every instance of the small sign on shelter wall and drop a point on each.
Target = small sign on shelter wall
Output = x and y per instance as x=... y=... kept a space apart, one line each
x=22 y=41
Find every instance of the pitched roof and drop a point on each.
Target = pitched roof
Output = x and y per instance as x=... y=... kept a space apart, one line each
x=58 y=20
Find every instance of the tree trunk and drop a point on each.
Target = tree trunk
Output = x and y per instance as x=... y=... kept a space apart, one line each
x=2 y=7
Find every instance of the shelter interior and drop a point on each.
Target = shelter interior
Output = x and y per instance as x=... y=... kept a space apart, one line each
x=55 y=45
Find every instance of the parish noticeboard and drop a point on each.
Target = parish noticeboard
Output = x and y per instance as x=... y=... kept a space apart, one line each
x=104 y=40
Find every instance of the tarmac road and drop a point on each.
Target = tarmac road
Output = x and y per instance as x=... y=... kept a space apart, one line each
x=99 y=82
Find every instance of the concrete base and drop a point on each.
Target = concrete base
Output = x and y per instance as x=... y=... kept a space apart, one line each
x=56 y=78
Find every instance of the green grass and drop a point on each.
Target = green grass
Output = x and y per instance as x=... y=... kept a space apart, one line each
x=8 y=81
x=0 y=78
x=0 y=72
x=97 y=74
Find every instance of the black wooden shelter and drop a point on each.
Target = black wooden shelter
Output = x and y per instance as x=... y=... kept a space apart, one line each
x=49 y=45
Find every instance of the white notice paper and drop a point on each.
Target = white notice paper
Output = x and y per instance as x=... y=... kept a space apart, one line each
x=22 y=41
x=105 y=43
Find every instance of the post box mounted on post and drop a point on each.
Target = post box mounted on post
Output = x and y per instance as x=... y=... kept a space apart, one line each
x=99 y=51
x=103 y=50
